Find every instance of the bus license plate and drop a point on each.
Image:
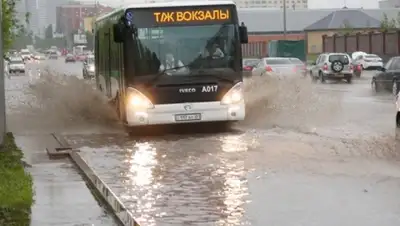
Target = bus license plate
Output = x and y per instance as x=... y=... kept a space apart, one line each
x=188 y=117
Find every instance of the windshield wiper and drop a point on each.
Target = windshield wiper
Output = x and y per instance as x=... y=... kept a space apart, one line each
x=205 y=72
x=164 y=72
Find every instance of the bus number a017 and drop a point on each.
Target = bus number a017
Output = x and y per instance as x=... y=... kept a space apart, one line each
x=209 y=89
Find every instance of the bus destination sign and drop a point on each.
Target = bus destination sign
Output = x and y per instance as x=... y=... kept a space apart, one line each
x=175 y=16
x=192 y=15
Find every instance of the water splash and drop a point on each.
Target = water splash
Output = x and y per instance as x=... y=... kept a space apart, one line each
x=287 y=101
x=58 y=102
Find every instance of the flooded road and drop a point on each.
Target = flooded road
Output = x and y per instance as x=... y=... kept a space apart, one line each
x=338 y=167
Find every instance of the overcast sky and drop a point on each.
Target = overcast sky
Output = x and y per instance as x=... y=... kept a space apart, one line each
x=314 y=4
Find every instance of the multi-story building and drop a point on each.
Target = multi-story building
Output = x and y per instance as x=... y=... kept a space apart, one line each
x=293 y=4
x=41 y=13
x=51 y=7
x=31 y=7
x=386 y=4
x=21 y=11
x=70 y=17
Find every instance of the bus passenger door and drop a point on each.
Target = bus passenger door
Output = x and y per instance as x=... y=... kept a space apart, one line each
x=108 y=63
x=120 y=64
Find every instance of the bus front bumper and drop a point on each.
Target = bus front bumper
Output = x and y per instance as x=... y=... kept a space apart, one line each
x=186 y=113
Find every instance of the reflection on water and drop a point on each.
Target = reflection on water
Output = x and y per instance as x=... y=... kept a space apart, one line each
x=186 y=184
x=235 y=187
x=142 y=160
x=234 y=143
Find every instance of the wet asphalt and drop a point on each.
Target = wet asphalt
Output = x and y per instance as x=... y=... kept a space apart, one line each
x=343 y=171
x=61 y=196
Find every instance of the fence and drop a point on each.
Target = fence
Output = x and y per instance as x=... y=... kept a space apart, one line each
x=255 y=49
x=384 y=44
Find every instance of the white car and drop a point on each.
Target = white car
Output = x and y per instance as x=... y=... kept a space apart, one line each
x=16 y=65
x=356 y=54
x=369 y=61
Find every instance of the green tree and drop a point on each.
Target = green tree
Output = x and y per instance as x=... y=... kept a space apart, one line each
x=45 y=43
x=385 y=23
x=11 y=21
x=392 y=24
x=48 y=33
x=89 y=38
x=21 y=40
x=346 y=28
x=71 y=35
x=398 y=19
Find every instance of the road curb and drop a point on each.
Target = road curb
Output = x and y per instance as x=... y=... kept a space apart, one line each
x=120 y=211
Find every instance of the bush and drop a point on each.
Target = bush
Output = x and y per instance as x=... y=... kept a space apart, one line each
x=16 y=195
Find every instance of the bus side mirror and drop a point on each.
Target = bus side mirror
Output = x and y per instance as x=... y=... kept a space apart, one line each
x=118 y=30
x=243 y=34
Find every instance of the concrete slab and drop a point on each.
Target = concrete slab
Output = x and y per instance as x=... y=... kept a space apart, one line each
x=61 y=195
x=108 y=196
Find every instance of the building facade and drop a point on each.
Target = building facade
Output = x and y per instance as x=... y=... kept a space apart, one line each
x=389 y=4
x=88 y=24
x=292 y=4
x=31 y=7
x=70 y=17
x=41 y=14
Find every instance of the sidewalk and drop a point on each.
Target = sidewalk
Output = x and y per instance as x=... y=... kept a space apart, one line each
x=61 y=196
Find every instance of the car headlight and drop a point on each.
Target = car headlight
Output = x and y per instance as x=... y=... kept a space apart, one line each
x=137 y=100
x=234 y=95
x=91 y=68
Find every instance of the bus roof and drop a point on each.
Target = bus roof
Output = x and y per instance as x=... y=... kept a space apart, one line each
x=168 y=4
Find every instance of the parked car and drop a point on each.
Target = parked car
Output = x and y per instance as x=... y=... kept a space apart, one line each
x=70 y=58
x=275 y=65
x=388 y=77
x=354 y=55
x=332 y=66
x=369 y=61
x=300 y=66
x=248 y=65
x=357 y=70
x=88 y=71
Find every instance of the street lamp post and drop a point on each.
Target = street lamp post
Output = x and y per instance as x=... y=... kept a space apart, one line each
x=2 y=85
x=284 y=19
x=94 y=24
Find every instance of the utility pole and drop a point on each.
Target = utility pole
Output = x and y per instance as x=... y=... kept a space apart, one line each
x=284 y=19
x=94 y=23
x=2 y=85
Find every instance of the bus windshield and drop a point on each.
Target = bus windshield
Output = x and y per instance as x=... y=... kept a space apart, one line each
x=187 y=46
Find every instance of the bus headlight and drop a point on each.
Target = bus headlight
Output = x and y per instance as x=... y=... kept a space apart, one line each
x=234 y=95
x=138 y=100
